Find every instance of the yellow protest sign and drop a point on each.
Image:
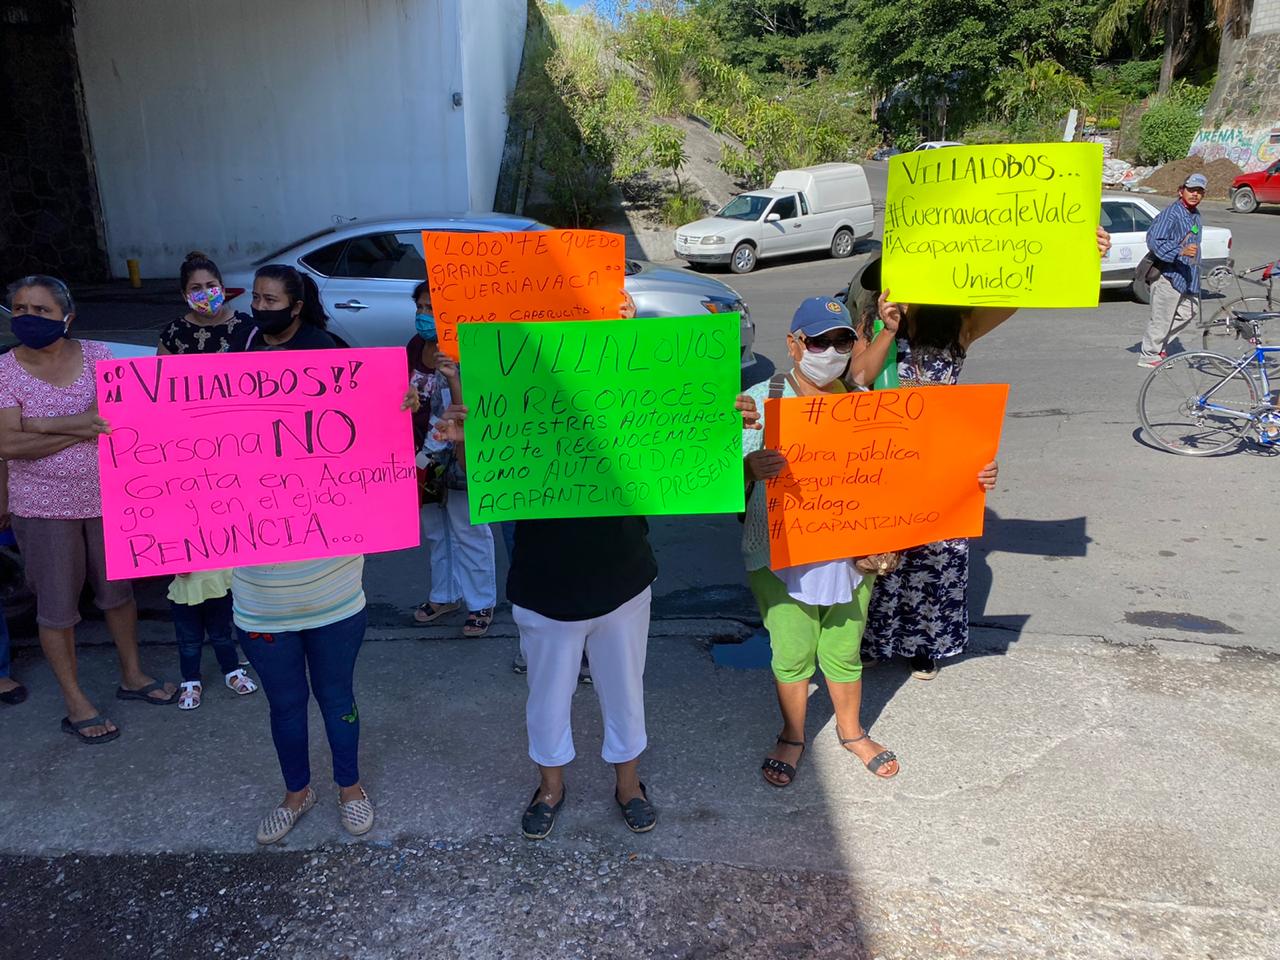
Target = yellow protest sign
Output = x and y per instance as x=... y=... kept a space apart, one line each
x=1008 y=225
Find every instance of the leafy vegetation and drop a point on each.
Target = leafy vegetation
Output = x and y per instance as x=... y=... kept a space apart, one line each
x=796 y=82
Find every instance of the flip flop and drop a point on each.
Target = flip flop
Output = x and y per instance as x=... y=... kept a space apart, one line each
x=123 y=693
x=76 y=730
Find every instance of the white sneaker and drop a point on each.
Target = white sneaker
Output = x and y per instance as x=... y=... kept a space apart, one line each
x=1146 y=361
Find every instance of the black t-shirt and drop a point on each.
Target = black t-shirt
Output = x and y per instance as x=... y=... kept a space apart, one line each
x=580 y=569
x=247 y=336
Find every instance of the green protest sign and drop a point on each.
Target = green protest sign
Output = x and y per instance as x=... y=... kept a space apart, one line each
x=602 y=418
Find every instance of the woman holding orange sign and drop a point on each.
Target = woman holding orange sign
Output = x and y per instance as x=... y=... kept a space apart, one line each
x=816 y=612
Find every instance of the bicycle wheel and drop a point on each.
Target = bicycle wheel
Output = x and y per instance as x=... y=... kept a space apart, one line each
x=1176 y=415
x=1217 y=326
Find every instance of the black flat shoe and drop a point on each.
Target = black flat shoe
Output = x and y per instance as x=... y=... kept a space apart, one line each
x=638 y=813
x=539 y=818
x=15 y=696
x=924 y=667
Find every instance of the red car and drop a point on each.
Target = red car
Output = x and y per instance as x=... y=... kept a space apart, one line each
x=1250 y=189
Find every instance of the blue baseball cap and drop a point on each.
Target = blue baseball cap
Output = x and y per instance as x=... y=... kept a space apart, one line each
x=1197 y=181
x=817 y=315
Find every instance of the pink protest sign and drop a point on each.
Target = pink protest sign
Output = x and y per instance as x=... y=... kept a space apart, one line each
x=239 y=459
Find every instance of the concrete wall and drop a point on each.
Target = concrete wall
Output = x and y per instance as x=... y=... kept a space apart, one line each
x=1265 y=17
x=492 y=48
x=237 y=126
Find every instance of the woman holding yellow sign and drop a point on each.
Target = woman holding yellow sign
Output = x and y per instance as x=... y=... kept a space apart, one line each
x=921 y=610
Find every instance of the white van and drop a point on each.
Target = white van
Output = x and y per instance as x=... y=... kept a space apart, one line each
x=826 y=207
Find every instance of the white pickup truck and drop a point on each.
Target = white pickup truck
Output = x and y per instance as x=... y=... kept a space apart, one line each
x=825 y=207
x=1127 y=218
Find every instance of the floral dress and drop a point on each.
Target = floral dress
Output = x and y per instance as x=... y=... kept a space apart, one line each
x=921 y=609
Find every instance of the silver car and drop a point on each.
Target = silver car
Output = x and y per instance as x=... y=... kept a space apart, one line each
x=366 y=271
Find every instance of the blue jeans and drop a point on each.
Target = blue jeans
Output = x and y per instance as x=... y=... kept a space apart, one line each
x=509 y=537
x=283 y=661
x=192 y=624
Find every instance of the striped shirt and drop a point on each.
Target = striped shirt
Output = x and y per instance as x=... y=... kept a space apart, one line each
x=285 y=597
x=1173 y=228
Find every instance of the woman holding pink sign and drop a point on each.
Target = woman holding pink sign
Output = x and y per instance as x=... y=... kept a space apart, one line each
x=49 y=426
x=302 y=624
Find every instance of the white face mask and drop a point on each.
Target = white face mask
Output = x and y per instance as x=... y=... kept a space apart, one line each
x=821 y=368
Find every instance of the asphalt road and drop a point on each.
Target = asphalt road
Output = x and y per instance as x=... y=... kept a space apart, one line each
x=1094 y=780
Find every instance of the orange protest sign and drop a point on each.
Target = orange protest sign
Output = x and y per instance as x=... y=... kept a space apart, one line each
x=524 y=276
x=878 y=471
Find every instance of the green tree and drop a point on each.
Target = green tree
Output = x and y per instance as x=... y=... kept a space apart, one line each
x=935 y=58
x=1034 y=96
x=1185 y=28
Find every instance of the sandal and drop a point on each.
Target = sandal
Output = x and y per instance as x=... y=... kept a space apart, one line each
x=77 y=730
x=430 y=612
x=144 y=694
x=774 y=765
x=240 y=682
x=282 y=819
x=478 y=622
x=189 y=694
x=881 y=759
x=539 y=818
x=638 y=813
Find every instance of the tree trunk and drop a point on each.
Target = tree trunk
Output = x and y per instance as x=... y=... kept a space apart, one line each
x=1170 y=42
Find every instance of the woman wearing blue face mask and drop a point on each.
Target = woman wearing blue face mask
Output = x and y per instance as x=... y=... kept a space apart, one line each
x=207 y=325
x=462 y=564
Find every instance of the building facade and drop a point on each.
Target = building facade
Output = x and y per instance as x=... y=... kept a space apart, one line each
x=237 y=126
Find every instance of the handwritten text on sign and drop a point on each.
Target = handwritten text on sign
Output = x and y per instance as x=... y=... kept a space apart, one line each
x=603 y=419
x=1007 y=225
x=240 y=459
x=878 y=471
x=533 y=275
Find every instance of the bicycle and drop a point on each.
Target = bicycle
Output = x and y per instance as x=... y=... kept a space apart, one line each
x=1198 y=404
x=1265 y=301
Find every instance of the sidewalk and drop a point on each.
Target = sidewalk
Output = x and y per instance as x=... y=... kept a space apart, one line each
x=1066 y=798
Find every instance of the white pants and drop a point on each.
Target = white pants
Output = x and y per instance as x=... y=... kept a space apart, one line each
x=616 y=645
x=1171 y=312
x=461 y=555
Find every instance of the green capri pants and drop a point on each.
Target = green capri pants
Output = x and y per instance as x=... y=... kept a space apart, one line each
x=801 y=634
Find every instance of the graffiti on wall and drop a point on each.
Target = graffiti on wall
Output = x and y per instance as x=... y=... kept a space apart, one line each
x=1248 y=149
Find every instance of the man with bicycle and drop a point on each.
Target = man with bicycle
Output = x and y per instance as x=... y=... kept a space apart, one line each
x=1174 y=241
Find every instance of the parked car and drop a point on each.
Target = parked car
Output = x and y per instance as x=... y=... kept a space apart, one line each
x=1127 y=218
x=937 y=145
x=884 y=153
x=825 y=207
x=1250 y=189
x=366 y=271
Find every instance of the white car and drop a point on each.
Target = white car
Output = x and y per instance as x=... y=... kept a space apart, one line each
x=938 y=145
x=1127 y=218
x=823 y=207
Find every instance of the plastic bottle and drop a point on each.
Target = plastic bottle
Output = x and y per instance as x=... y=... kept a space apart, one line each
x=888 y=376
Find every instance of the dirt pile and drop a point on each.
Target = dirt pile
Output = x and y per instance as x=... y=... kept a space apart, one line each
x=1172 y=175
